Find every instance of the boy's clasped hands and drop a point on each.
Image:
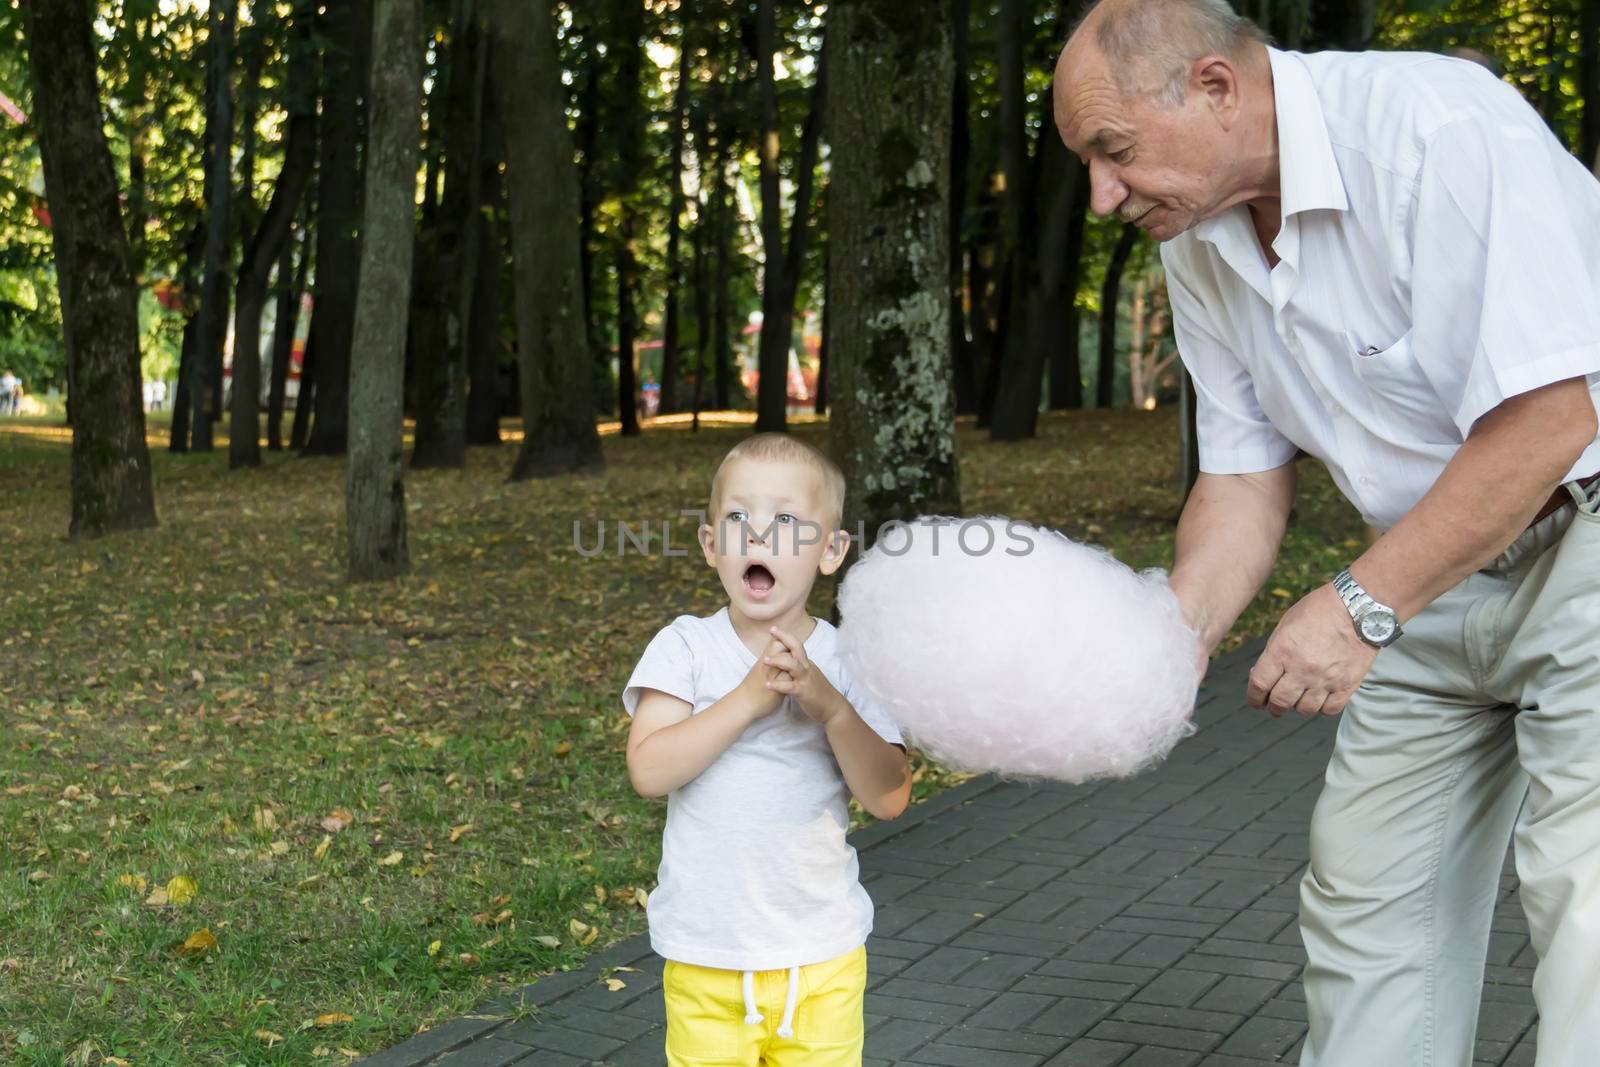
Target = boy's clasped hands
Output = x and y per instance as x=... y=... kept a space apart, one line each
x=786 y=671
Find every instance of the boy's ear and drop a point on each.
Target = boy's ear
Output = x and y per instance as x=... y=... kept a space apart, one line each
x=707 y=536
x=833 y=556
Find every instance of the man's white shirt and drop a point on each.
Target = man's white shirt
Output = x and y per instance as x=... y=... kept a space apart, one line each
x=1439 y=253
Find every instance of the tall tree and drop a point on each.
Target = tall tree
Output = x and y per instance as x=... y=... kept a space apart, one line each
x=626 y=129
x=446 y=277
x=347 y=28
x=784 y=262
x=291 y=284
x=960 y=151
x=1345 y=25
x=375 y=495
x=483 y=340
x=270 y=237
x=676 y=204
x=1040 y=324
x=772 y=389
x=559 y=431
x=893 y=423
x=205 y=369
x=1109 y=289
x=110 y=461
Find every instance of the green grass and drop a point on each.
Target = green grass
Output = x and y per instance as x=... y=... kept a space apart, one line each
x=161 y=691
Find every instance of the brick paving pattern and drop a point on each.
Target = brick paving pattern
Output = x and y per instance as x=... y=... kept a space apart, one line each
x=1148 y=922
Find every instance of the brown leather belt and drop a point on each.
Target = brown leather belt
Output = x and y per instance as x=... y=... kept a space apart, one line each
x=1561 y=497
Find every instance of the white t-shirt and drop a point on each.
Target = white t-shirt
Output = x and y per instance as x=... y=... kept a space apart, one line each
x=755 y=872
x=1437 y=257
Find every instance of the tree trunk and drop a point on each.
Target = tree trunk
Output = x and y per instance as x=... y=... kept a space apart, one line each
x=137 y=121
x=701 y=266
x=821 y=407
x=893 y=422
x=627 y=21
x=111 y=488
x=448 y=278
x=253 y=47
x=966 y=385
x=559 y=433
x=589 y=193
x=483 y=339
x=1014 y=411
x=305 y=400
x=627 y=328
x=1066 y=364
x=722 y=225
x=773 y=359
x=671 y=370
x=269 y=238
x=1345 y=25
x=193 y=250
x=210 y=330
x=1188 y=435
x=375 y=498
x=291 y=283
x=338 y=227
x=1108 y=313
x=985 y=355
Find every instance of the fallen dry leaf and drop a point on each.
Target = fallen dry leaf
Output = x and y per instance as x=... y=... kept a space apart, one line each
x=181 y=889
x=198 y=943
x=333 y=1018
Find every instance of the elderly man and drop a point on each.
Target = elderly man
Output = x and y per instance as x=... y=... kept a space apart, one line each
x=1389 y=262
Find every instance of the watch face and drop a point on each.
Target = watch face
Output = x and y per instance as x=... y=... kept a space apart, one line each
x=1378 y=626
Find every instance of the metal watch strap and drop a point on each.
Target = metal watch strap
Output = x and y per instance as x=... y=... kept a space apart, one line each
x=1358 y=602
x=1350 y=591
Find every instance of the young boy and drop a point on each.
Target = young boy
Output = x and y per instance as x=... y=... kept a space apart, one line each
x=747 y=723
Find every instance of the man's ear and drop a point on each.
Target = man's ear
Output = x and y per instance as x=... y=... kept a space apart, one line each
x=1217 y=80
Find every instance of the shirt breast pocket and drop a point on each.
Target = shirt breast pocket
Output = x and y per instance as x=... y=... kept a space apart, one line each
x=1396 y=384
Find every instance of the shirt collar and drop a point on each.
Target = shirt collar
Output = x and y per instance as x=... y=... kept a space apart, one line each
x=1308 y=174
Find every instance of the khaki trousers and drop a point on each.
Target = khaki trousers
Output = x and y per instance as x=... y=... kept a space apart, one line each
x=1481 y=723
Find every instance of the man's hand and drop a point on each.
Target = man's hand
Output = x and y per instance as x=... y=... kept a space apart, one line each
x=1314 y=662
x=799 y=678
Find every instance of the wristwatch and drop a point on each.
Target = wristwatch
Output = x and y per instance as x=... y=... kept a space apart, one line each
x=1375 y=623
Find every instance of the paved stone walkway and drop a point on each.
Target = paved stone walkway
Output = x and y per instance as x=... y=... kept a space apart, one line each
x=1140 y=923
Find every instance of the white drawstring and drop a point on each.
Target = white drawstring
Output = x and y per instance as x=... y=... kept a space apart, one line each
x=786 y=1028
x=752 y=1016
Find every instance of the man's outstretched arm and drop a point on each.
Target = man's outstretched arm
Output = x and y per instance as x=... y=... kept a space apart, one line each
x=1228 y=538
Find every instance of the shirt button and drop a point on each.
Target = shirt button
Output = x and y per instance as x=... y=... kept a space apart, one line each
x=1366 y=481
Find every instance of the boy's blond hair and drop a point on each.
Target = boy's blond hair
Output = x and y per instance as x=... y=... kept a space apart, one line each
x=782 y=448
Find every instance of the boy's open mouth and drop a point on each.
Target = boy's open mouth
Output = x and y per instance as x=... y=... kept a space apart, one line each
x=759 y=580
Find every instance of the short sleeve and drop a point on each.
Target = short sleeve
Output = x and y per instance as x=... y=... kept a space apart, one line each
x=1235 y=435
x=872 y=712
x=666 y=665
x=1504 y=288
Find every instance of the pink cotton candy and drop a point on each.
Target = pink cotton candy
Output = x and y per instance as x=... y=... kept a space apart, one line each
x=1004 y=647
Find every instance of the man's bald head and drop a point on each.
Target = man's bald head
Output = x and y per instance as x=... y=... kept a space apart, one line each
x=1150 y=46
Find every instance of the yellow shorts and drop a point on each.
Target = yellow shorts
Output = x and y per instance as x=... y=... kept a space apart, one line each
x=707 y=1012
